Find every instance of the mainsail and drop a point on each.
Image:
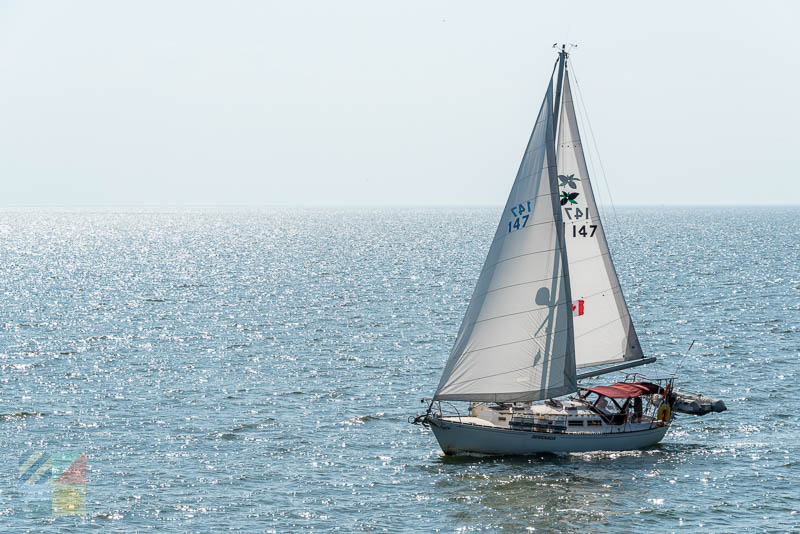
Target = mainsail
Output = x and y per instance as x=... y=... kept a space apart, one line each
x=516 y=342
x=604 y=332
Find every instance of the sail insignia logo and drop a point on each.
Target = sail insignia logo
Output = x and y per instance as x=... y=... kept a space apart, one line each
x=568 y=197
x=53 y=483
x=568 y=180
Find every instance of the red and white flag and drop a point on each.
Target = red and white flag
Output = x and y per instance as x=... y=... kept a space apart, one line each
x=577 y=308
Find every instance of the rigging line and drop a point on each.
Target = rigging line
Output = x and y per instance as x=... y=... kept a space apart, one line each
x=684 y=357
x=594 y=142
x=591 y=167
x=584 y=120
x=602 y=172
x=578 y=102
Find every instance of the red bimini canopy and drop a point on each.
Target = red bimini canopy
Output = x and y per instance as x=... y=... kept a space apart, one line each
x=624 y=390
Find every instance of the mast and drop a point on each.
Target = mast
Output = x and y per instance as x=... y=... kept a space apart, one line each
x=562 y=61
x=560 y=227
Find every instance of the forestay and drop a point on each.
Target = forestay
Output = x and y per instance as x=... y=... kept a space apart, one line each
x=515 y=341
x=603 y=329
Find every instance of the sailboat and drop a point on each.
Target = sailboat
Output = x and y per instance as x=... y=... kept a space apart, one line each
x=547 y=304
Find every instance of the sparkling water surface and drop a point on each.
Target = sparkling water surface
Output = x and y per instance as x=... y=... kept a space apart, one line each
x=253 y=370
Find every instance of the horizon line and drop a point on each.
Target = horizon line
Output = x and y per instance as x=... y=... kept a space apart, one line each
x=367 y=206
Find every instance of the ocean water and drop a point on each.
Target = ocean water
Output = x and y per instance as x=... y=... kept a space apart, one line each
x=253 y=370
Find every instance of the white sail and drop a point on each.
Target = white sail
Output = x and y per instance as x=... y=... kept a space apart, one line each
x=515 y=341
x=604 y=332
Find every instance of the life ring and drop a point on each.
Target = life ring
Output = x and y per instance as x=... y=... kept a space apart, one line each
x=664 y=413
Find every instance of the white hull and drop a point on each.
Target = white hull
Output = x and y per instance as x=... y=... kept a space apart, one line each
x=459 y=438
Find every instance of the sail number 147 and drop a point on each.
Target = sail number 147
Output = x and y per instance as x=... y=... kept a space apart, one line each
x=520 y=212
x=584 y=230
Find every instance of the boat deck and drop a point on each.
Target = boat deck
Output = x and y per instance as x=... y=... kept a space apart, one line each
x=568 y=417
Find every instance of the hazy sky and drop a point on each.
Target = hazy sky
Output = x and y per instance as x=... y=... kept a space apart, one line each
x=367 y=103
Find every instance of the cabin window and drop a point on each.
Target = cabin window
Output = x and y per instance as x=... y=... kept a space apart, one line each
x=576 y=423
x=595 y=423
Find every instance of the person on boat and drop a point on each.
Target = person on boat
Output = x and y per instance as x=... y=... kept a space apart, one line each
x=602 y=404
x=637 y=409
